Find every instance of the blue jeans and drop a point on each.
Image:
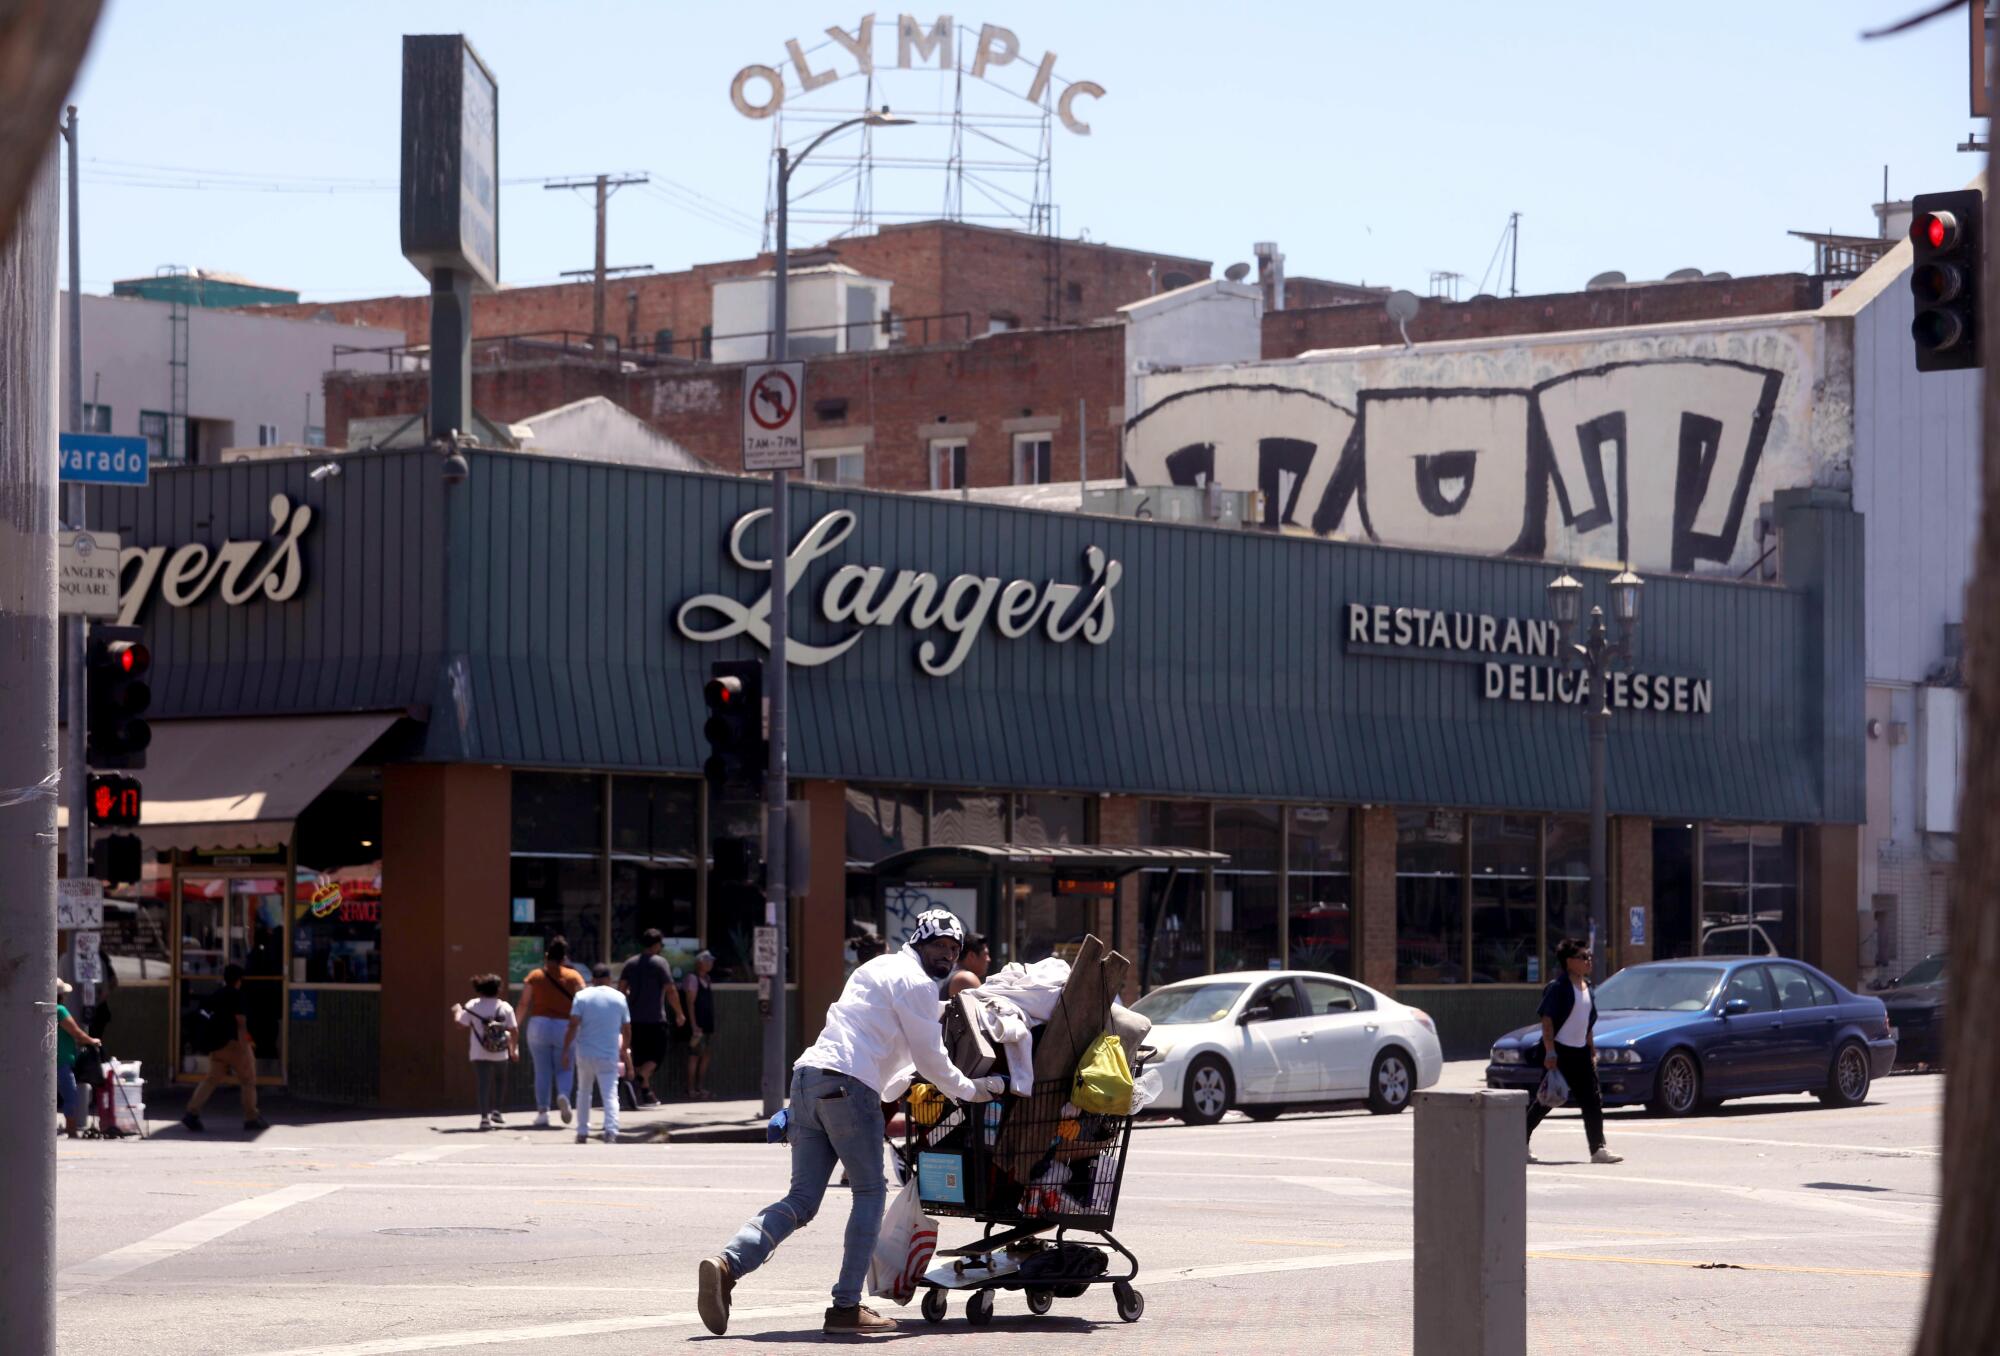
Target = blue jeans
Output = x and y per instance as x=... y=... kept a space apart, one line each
x=68 y=1095
x=834 y=1118
x=545 y=1043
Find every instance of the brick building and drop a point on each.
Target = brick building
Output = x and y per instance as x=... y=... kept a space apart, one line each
x=968 y=280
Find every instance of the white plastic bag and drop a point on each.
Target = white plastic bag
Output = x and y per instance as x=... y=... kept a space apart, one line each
x=1146 y=1090
x=903 y=1249
x=1554 y=1091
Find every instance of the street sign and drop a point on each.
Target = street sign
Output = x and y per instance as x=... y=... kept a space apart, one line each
x=774 y=437
x=79 y=904
x=764 y=951
x=101 y=459
x=85 y=965
x=87 y=574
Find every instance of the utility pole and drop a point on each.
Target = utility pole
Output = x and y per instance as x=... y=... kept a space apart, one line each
x=605 y=186
x=29 y=774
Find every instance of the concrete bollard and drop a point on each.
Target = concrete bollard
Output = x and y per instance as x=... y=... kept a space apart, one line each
x=1471 y=1157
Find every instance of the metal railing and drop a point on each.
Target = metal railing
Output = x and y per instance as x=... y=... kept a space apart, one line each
x=890 y=332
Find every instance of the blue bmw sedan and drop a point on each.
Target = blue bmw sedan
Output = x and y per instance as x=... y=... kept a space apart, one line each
x=1683 y=1033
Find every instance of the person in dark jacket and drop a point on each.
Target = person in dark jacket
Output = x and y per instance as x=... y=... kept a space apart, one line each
x=1569 y=1019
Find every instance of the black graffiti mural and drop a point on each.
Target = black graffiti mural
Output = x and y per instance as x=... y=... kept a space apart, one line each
x=1662 y=452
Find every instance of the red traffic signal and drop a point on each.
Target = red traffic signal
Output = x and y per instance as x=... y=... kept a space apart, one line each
x=115 y=801
x=734 y=695
x=1937 y=230
x=1947 y=243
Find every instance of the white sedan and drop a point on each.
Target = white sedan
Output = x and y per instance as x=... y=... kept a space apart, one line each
x=1266 y=1041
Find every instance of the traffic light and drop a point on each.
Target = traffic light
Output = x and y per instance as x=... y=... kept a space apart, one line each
x=115 y=801
x=738 y=755
x=1949 y=244
x=115 y=859
x=119 y=695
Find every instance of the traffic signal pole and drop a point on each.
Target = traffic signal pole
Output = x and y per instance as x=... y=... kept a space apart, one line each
x=777 y=912
x=76 y=776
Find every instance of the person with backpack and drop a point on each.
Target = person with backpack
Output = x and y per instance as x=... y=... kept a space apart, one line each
x=544 y=1016
x=222 y=1032
x=494 y=1043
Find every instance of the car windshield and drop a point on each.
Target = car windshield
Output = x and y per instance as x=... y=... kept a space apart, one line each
x=1929 y=970
x=1183 y=1004
x=1660 y=988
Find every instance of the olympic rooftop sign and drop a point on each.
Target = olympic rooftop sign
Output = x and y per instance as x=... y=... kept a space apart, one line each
x=915 y=44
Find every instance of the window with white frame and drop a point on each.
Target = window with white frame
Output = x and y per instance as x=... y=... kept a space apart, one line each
x=1031 y=458
x=96 y=418
x=837 y=466
x=267 y=435
x=948 y=463
x=153 y=428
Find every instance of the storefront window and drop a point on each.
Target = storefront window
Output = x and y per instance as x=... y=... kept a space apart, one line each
x=1320 y=884
x=1673 y=891
x=655 y=825
x=1430 y=897
x=1506 y=858
x=557 y=880
x=137 y=947
x=881 y=821
x=1051 y=821
x=337 y=893
x=1566 y=893
x=1749 y=890
x=1246 y=889
x=1051 y=924
x=1173 y=926
x=960 y=818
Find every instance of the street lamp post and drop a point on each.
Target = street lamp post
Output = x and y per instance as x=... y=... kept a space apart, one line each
x=1595 y=656
x=776 y=783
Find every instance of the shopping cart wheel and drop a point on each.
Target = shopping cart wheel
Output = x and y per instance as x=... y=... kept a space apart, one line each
x=979 y=1309
x=1040 y=1299
x=934 y=1305
x=1130 y=1302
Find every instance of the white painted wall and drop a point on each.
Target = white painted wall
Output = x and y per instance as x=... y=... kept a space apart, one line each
x=819 y=298
x=1916 y=476
x=247 y=369
x=594 y=429
x=1440 y=445
x=1203 y=324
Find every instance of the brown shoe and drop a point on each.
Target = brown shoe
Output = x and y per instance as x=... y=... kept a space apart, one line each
x=712 y=1286
x=859 y=1321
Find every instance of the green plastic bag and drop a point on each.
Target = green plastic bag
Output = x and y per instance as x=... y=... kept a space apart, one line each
x=1104 y=1079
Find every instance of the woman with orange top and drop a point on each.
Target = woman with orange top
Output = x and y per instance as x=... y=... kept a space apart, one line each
x=545 y=1000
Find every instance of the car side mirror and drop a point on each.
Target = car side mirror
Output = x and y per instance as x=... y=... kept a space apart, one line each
x=1253 y=1014
x=1736 y=1007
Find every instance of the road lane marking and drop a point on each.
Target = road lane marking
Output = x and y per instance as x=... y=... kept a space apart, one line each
x=1690 y=1137
x=192 y=1234
x=1693 y=1265
x=1762 y=1195
x=430 y=1155
x=1345 y=1186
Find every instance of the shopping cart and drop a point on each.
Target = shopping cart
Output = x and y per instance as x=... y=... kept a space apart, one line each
x=1043 y=1180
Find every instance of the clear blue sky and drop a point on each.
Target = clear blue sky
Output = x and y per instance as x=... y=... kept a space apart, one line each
x=1372 y=141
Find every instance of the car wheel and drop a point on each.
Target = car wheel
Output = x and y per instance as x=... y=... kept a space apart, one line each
x=1390 y=1083
x=1210 y=1090
x=1677 y=1086
x=1847 y=1081
x=1265 y=1112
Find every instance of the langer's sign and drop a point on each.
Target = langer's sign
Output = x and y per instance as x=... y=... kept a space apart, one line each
x=862 y=596
x=185 y=573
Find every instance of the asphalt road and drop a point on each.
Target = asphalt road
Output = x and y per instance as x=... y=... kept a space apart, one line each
x=1772 y=1226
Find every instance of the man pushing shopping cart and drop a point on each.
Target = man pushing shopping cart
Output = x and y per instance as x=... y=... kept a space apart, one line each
x=885 y=1020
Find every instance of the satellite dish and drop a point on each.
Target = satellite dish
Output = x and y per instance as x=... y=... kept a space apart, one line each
x=1236 y=272
x=1402 y=307
x=1715 y=277
x=1609 y=278
x=1684 y=275
x=1484 y=296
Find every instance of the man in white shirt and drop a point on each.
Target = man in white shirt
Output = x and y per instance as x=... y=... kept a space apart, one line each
x=887 y=1018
